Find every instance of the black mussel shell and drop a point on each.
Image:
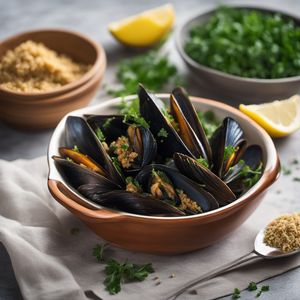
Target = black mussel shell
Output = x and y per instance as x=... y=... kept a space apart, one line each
x=194 y=191
x=130 y=202
x=191 y=117
x=112 y=126
x=185 y=130
x=229 y=134
x=150 y=111
x=252 y=158
x=143 y=143
x=76 y=175
x=202 y=175
x=79 y=133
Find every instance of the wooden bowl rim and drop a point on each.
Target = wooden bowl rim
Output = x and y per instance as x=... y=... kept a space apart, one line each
x=100 y=60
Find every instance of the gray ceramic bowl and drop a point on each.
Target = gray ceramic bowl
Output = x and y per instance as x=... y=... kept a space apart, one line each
x=236 y=88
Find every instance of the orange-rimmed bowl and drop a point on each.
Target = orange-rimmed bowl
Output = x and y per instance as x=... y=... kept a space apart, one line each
x=166 y=235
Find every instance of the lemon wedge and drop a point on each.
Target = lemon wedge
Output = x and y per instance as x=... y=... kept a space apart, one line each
x=144 y=29
x=279 y=118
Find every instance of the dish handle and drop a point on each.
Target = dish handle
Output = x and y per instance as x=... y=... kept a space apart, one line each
x=82 y=209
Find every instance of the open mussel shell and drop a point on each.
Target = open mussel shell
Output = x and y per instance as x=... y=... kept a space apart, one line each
x=112 y=126
x=143 y=143
x=76 y=175
x=130 y=202
x=151 y=112
x=180 y=98
x=79 y=133
x=229 y=134
x=252 y=157
x=194 y=191
x=202 y=175
x=185 y=131
x=81 y=159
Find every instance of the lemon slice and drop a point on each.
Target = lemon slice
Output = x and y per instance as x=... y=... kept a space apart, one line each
x=278 y=118
x=144 y=29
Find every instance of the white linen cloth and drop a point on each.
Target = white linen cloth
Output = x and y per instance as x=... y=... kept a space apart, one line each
x=51 y=263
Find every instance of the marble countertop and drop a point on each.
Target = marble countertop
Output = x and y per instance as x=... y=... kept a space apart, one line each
x=91 y=17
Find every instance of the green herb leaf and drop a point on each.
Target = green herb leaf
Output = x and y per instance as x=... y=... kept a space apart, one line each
x=98 y=252
x=116 y=164
x=252 y=286
x=295 y=161
x=247 y=43
x=117 y=273
x=228 y=151
x=100 y=134
x=209 y=122
x=286 y=171
x=265 y=288
x=75 y=148
x=251 y=176
x=236 y=294
x=152 y=69
x=162 y=133
x=107 y=123
x=135 y=119
x=203 y=162
x=296 y=178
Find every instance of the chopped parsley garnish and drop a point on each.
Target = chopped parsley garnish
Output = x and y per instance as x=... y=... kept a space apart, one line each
x=203 y=162
x=131 y=112
x=124 y=146
x=135 y=119
x=228 y=151
x=295 y=161
x=116 y=164
x=236 y=294
x=252 y=286
x=286 y=171
x=118 y=273
x=151 y=69
x=209 y=122
x=129 y=107
x=99 y=134
x=251 y=176
x=296 y=178
x=163 y=133
x=264 y=288
x=98 y=251
x=75 y=148
x=130 y=180
x=247 y=42
x=107 y=123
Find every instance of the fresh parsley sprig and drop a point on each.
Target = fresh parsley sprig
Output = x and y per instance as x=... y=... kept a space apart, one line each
x=152 y=69
x=118 y=273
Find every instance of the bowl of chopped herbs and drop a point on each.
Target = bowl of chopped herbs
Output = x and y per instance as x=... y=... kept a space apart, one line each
x=249 y=54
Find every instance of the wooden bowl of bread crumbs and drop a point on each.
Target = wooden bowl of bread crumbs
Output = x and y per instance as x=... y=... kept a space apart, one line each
x=45 y=74
x=283 y=233
x=32 y=67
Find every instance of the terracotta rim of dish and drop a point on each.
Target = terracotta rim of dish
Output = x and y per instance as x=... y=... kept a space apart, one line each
x=180 y=38
x=62 y=97
x=100 y=59
x=271 y=173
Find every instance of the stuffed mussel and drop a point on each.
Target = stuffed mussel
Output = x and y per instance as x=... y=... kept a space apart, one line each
x=157 y=159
